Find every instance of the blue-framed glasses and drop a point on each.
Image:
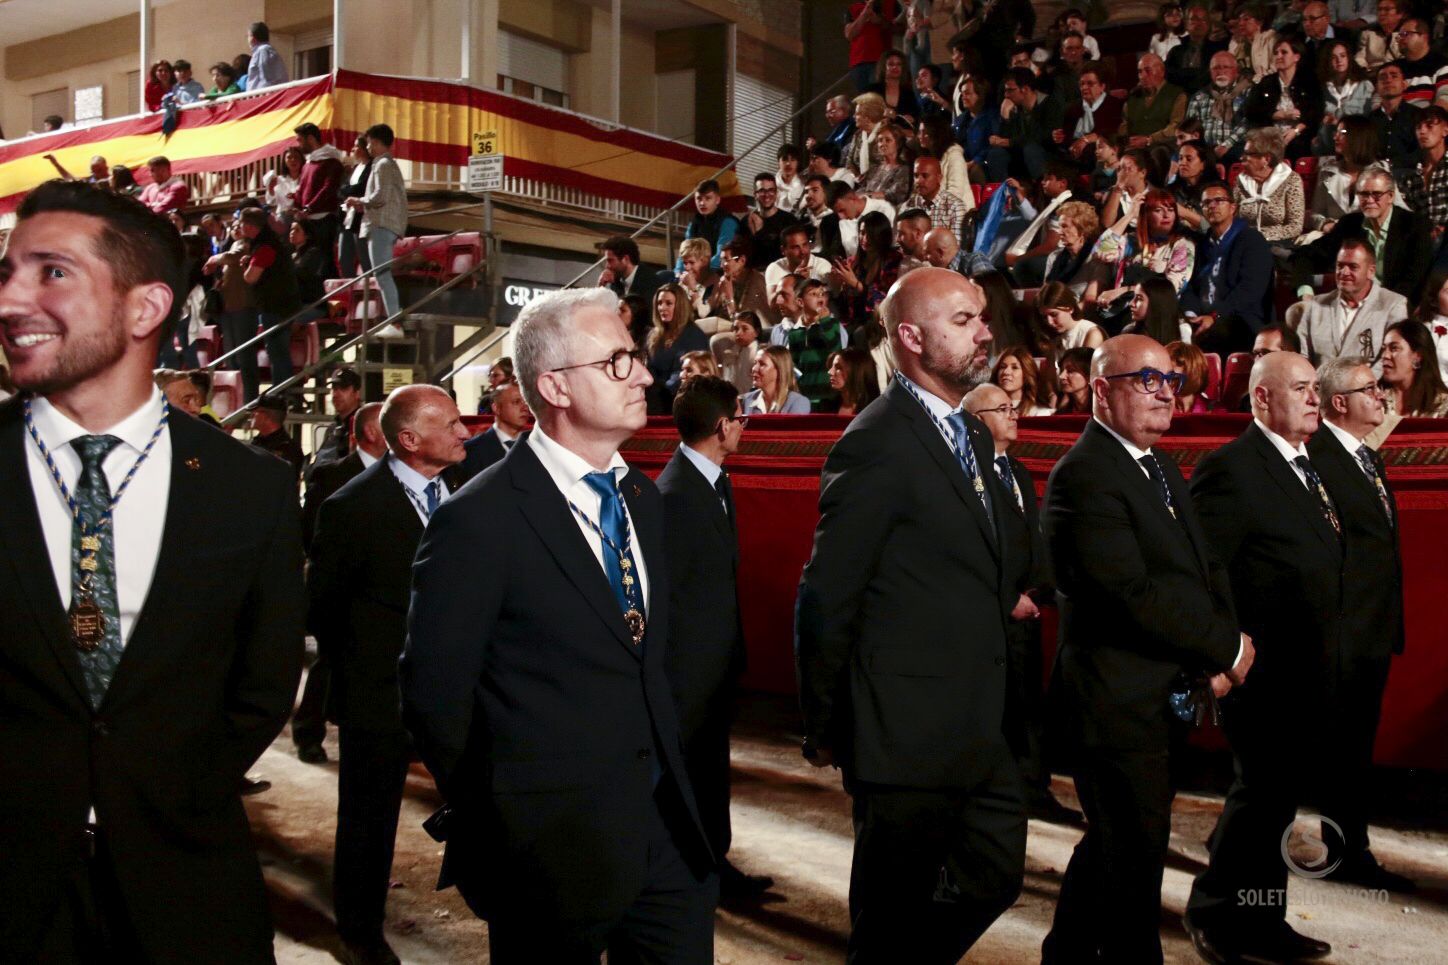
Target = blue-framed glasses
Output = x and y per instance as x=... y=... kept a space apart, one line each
x=1150 y=381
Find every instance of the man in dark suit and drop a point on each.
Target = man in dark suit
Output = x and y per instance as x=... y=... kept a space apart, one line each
x=1272 y=523
x=358 y=585
x=901 y=638
x=511 y=418
x=621 y=272
x=533 y=681
x=1372 y=607
x=269 y=422
x=1028 y=576
x=1145 y=614
x=309 y=722
x=1231 y=290
x=136 y=695
x=1407 y=250
x=706 y=636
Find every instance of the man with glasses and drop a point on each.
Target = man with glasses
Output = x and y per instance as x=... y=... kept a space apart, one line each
x=1400 y=241
x=706 y=636
x=901 y=641
x=1351 y=319
x=1147 y=635
x=1373 y=606
x=1230 y=295
x=1424 y=71
x=1028 y=578
x=1274 y=525
x=766 y=221
x=534 y=681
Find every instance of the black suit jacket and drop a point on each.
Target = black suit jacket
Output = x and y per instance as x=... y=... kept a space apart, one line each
x=327 y=478
x=645 y=283
x=1142 y=600
x=706 y=637
x=358 y=588
x=206 y=681
x=530 y=703
x=1286 y=567
x=482 y=450
x=1407 y=256
x=1373 y=573
x=1028 y=567
x=900 y=629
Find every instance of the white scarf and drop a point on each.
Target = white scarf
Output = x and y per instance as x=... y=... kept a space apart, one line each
x=867 y=141
x=1263 y=195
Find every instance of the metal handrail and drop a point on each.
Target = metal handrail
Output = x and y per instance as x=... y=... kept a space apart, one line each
x=732 y=162
x=260 y=336
x=501 y=334
x=336 y=351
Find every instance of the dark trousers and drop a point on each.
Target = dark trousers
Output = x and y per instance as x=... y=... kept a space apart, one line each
x=1347 y=786
x=1228 y=334
x=352 y=257
x=1026 y=706
x=90 y=927
x=309 y=722
x=1109 y=909
x=371 y=778
x=1243 y=890
x=237 y=327
x=670 y=922
x=933 y=868
x=706 y=758
x=325 y=231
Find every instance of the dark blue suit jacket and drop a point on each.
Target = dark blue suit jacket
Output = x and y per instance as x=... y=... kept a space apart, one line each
x=483 y=450
x=1244 y=287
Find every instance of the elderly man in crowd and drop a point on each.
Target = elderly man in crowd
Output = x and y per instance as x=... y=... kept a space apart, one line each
x=942 y=250
x=1351 y=319
x=901 y=638
x=1147 y=627
x=1400 y=241
x=1155 y=108
x=1093 y=117
x=1218 y=107
x=1187 y=63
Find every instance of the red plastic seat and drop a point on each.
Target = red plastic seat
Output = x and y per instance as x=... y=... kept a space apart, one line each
x=225 y=392
x=1233 y=171
x=978 y=192
x=306 y=346
x=1306 y=168
x=1214 y=379
x=1234 y=382
x=987 y=190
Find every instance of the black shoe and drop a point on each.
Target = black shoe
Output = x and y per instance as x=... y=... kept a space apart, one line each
x=736 y=885
x=369 y=953
x=1289 y=946
x=250 y=786
x=312 y=754
x=1365 y=872
x=1211 y=945
x=1046 y=808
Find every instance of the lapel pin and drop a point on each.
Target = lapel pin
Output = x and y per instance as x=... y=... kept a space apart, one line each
x=637 y=490
x=193 y=463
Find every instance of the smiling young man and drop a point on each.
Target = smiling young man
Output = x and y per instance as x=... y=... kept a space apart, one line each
x=148 y=655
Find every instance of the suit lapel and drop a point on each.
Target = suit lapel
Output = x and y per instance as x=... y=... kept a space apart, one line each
x=649 y=528
x=23 y=542
x=935 y=445
x=1297 y=492
x=548 y=514
x=1136 y=479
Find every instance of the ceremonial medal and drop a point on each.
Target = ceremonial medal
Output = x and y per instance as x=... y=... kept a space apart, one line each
x=636 y=625
x=87 y=623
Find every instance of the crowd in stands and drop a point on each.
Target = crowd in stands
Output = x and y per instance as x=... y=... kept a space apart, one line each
x=1271 y=165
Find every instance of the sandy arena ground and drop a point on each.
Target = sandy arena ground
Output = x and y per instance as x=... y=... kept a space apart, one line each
x=792 y=822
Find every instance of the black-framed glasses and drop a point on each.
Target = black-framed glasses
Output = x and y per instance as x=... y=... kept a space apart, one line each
x=619 y=365
x=1372 y=390
x=1005 y=408
x=1212 y=202
x=1375 y=195
x=742 y=418
x=1150 y=381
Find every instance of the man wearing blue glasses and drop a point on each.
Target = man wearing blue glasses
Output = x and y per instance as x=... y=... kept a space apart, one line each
x=1147 y=635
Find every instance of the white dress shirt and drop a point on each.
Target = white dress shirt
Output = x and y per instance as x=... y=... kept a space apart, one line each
x=1288 y=453
x=1350 y=442
x=415 y=485
x=567 y=470
x=139 y=520
x=366 y=457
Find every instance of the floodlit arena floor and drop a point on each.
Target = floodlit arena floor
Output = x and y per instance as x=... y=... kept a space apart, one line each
x=793 y=822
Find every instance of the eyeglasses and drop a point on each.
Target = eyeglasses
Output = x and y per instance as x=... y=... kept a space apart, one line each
x=1372 y=390
x=1374 y=195
x=1150 y=381
x=1213 y=202
x=1005 y=409
x=620 y=364
x=743 y=420
x=1257 y=353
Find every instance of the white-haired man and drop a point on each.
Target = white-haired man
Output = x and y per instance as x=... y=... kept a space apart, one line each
x=533 y=681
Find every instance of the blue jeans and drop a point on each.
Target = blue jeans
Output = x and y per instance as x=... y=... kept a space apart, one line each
x=278 y=347
x=379 y=252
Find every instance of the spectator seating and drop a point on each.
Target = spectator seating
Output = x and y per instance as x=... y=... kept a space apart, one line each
x=225 y=392
x=1234 y=384
x=437 y=258
x=1214 y=379
x=1306 y=167
x=306 y=348
x=208 y=344
x=986 y=190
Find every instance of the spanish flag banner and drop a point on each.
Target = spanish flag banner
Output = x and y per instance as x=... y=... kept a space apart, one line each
x=434 y=122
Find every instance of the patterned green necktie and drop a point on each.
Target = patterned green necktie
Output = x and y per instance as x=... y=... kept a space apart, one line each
x=92 y=499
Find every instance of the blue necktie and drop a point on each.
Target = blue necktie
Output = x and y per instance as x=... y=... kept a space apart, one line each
x=1008 y=479
x=1153 y=469
x=966 y=451
x=433 y=494
x=92 y=497
x=611 y=520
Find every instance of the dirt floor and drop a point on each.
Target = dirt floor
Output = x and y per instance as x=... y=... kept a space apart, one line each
x=792 y=822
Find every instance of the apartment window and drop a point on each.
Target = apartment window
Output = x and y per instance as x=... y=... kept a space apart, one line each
x=313 y=53
x=90 y=104
x=532 y=70
x=133 y=92
x=46 y=103
x=759 y=110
